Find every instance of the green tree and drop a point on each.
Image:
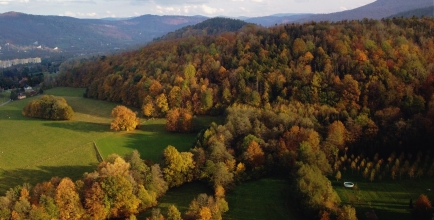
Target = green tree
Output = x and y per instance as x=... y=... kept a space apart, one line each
x=119 y=197
x=178 y=167
x=338 y=175
x=173 y=213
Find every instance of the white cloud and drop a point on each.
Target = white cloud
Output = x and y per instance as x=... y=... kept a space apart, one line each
x=93 y=14
x=244 y=9
x=209 y=10
x=168 y=10
x=6 y=2
x=174 y=2
x=128 y=8
x=68 y=13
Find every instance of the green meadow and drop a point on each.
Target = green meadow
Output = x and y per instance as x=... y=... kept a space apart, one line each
x=34 y=150
x=259 y=199
x=266 y=198
x=389 y=199
x=180 y=197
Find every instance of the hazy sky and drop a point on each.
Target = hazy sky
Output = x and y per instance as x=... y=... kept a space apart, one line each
x=129 y=8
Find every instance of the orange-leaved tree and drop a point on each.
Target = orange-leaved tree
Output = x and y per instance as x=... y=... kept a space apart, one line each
x=422 y=208
x=125 y=119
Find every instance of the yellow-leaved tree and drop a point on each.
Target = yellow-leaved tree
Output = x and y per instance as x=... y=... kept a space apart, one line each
x=125 y=119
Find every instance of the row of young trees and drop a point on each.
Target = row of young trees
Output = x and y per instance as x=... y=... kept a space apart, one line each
x=394 y=167
x=49 y=107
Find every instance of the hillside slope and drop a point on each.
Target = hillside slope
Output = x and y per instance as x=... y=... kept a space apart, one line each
x=71 y=35
x=212 y=26
x=276 y=19
x=427 y=11
x=375 y=10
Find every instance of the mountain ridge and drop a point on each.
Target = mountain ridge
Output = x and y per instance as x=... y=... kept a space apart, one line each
x=375 y=10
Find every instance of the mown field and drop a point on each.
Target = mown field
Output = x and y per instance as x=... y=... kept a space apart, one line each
x=260 y=199
x=4 y=97
x=389 y=199
x=34 y=150
x=266 y=198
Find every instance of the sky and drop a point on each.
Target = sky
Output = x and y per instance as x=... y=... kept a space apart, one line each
x=209 y=8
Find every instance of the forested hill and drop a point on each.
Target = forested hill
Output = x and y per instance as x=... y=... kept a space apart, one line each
x=41 y=34
x=378 y=74
x=277 y=19
x=375 y=10
x=212 y=26
x=427 y=12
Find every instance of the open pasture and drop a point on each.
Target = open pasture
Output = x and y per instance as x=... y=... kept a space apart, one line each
x=266 y=198
x=34 y=150
x=150 y=140
x=388 y=198
x=259 y=199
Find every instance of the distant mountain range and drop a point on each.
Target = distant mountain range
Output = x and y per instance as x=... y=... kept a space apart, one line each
x=375 y=10
x=277 y=19
x=419 y=12
x=24 y=35
x=35 y=34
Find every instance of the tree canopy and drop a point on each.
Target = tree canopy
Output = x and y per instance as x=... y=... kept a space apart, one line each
x=49 y=107
x=125 y=119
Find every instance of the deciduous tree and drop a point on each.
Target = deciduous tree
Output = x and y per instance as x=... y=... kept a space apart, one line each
x=125 y=119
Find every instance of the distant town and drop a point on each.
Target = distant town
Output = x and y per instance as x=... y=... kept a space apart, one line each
x=9 y=63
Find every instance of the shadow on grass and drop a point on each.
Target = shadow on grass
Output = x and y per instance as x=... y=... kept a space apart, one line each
x=152 y=143
x=151 y=126
x=78 y=126
x=180 y=196
x=10 y=114
x=12 y=178
x=383 y=213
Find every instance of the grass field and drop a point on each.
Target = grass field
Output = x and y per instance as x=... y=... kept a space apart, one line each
x=388 y=198
x=4 y=97
x=151 y=139
x=180 y=197
x=34 y=150
x=260 y=199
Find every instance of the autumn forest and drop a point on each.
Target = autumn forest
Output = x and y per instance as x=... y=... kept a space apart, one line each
x=298 y=100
